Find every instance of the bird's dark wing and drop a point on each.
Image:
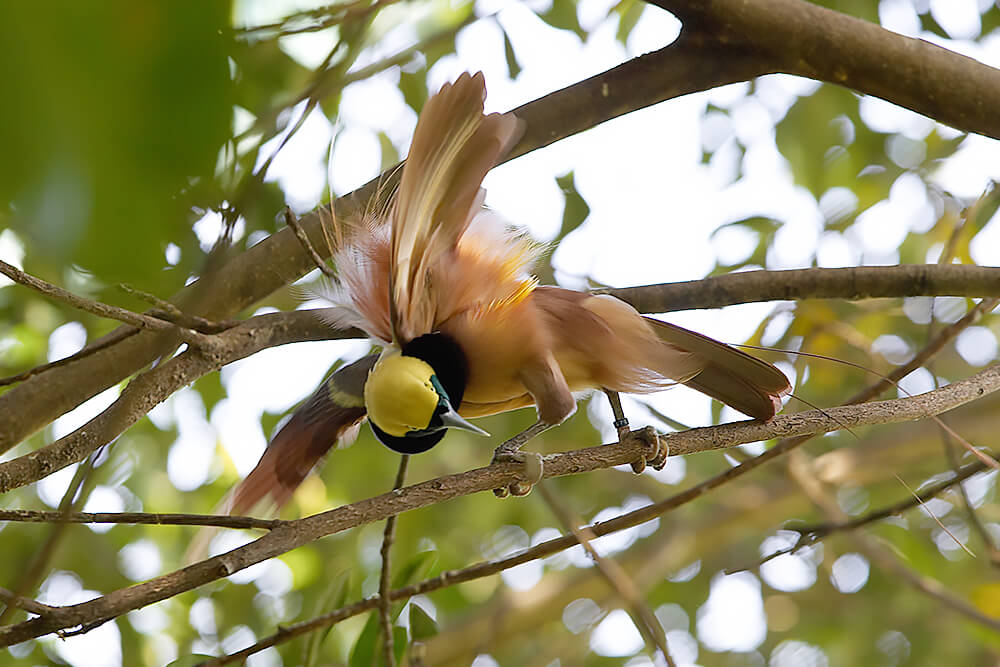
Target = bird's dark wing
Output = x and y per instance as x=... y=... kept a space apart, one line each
x=327 y=419
x=744 y=382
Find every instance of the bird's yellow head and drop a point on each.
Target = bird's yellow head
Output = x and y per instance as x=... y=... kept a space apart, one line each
x=407 y=403
x=400 y=395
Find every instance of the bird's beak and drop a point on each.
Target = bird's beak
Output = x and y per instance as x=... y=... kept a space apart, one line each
x=452 y=419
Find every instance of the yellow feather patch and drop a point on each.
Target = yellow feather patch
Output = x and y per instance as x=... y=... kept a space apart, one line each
x=399 y=394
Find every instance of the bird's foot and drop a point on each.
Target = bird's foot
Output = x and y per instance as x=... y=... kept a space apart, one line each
x=533 y=470
x=655 y=450
x=510 y=452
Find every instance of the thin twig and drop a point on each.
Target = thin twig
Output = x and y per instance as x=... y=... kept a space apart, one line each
x=303 y=531
x=882 y=556
x=817 y=532
x=40 y=560
x=933 y=516
x=293 y=222
x=643 y=617
x=27 y=604
x=171 y=313
x=102 y=309
x=142 y=518
x=325 y=17
x=385 y=576
x=992 y=552
x=108 y=341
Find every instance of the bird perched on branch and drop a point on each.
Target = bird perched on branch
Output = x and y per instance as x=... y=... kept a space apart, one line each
x=444 y=286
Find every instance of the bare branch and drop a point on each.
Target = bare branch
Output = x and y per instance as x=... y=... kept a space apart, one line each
x=104 y=343
x=141 y=518
x=149 y=389
x=73 y=498
x=385 y=584
x=292 y=221
x=643 y=617
x=881 y=555
x=862 y=282
x=102 y=309
x=171 y=313
x=797 y=37
x=297 y=533
x=27 y=604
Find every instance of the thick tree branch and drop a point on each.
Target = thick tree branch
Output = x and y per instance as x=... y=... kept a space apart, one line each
x=297 y=533
x=149 y=389
x=797 y=37
x=862 y=282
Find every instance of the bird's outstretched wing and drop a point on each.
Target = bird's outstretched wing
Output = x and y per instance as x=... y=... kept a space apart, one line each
x=454 y=145
x=327 y=419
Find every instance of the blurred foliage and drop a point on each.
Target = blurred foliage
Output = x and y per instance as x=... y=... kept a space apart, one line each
x=112 y=98
x=126 y=123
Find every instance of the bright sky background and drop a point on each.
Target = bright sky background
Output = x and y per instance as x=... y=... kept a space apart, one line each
x=643 y=179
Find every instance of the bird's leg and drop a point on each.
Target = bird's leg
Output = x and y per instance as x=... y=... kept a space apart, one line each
x=656 y=451
x=510 y=452
x=545 y=382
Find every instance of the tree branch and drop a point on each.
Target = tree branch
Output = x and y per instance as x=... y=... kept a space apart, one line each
x=297 y=533
x=246 y=339
x=141 y=518
x=797 y=37
x=854 y=283
x=149 y=389
x=102 y=309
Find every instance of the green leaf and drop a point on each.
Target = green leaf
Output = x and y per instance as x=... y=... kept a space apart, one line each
x=985 y=208
x=575 y=210
x=513 y=67
x=368 y=649
x=400 y=642
x=334 y=597
x=365 y=647
x=990 y=20
x=930 y=24
x=629 y=12
x=562 y=15
x=415 y=569
x=862 y=9
x=390 y=156
x=121 y=108
x=413 y=85
x=422 y=626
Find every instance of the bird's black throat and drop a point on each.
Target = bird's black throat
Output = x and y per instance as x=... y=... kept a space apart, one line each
x=451 y=367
